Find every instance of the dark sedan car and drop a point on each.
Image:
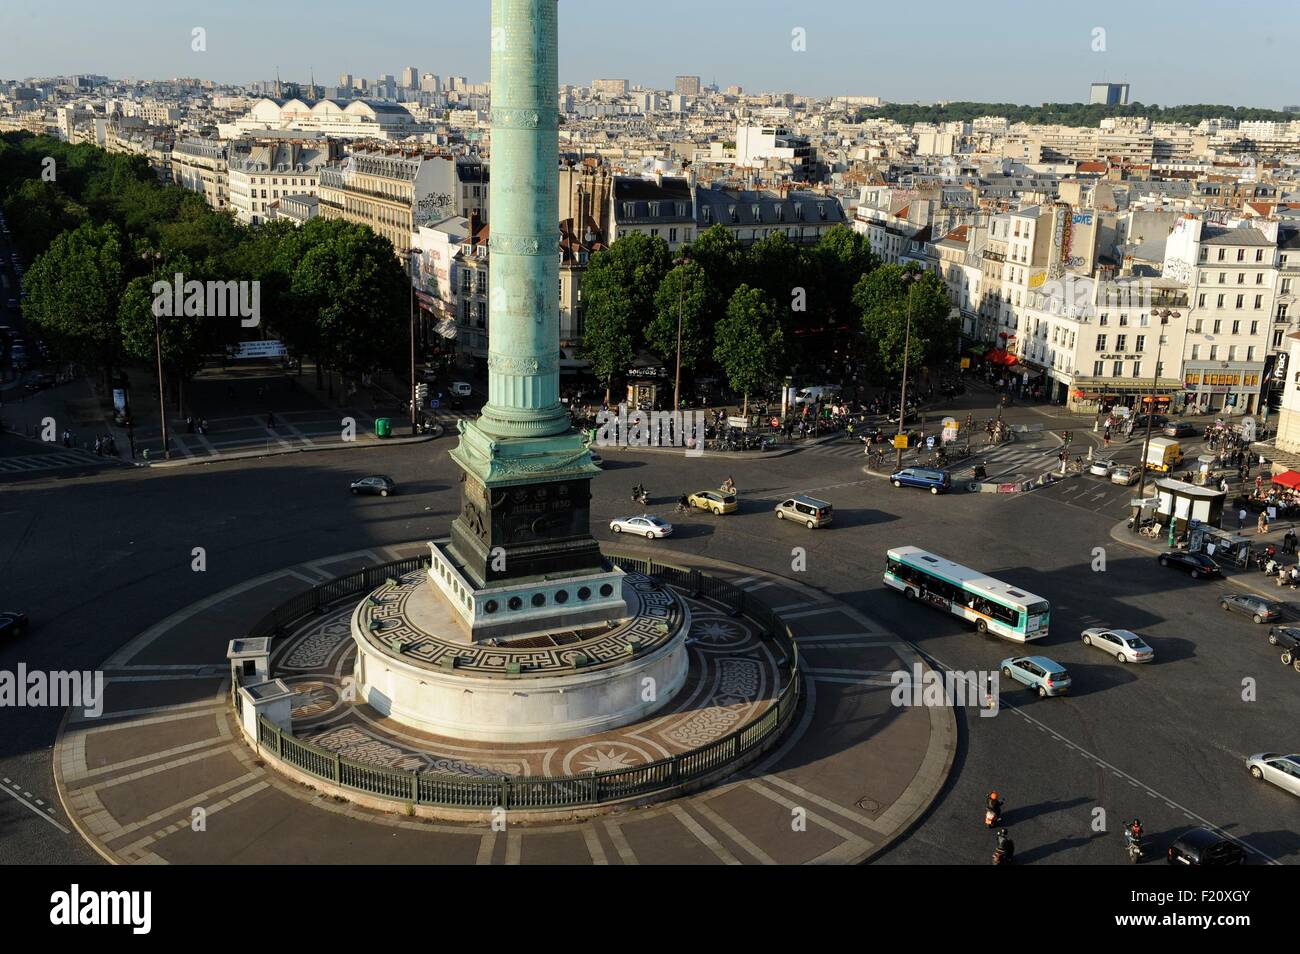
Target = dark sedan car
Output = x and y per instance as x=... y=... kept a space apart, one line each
x=38 y=381
x=1288 y=637
x=1197 y=564
x=1200 y=846
x=1256 y=607
x=12 y=624
x=375 y=484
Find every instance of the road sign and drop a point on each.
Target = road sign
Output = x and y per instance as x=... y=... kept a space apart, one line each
x=900 y=441
x=433 y=405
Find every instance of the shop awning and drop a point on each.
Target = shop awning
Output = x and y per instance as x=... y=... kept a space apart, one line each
x=446 y=328
x=998 y=356
x=978 y=350
x=1288 y=478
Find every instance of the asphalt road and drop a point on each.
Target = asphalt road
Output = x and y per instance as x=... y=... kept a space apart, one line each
x=96 y=560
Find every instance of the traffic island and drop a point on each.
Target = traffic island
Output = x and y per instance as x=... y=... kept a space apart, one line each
x=756 y=733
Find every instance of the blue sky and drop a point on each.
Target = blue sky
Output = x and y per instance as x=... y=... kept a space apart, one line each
x=996 y=50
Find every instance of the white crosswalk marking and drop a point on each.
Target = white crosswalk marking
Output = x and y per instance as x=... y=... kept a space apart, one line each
x=35 y=462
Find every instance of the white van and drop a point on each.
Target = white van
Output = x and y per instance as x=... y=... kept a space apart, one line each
x=461 y=388
x=812 y=395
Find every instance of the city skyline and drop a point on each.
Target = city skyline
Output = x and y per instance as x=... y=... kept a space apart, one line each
x=1047 y=57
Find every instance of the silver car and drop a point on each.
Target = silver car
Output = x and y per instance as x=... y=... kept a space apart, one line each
x=1124 y=645
x=645 y=525
x=1282 y=770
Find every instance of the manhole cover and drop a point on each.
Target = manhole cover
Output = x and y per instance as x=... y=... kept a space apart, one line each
x=868 y=804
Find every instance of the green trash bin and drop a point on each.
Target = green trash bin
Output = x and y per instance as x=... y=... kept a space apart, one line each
x=383 y=427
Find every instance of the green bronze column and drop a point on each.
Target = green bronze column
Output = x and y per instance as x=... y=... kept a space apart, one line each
x=526 y=484
x=523 y=306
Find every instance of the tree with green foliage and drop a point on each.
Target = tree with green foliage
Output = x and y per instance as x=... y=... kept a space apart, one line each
x=359 y=293
x=685 y=290
x=885 y=301
x=74 y=289
x=618 y=290
x=722 y=258
x=749 y=342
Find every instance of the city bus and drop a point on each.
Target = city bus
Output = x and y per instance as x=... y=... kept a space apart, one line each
x=993 y=606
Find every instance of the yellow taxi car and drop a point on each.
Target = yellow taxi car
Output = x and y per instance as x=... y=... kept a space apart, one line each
x=716 y=501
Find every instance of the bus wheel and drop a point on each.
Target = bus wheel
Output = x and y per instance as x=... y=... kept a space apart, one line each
x=981 y=627
x=909 y=593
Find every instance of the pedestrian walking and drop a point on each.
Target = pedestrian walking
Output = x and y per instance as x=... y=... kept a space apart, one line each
x=1262 y=525
x=270 y=420
x=1241 y=518
x=98 y=447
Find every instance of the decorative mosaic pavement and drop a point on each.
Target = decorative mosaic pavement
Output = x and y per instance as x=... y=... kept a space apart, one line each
x=386 y=619
x=734 y=677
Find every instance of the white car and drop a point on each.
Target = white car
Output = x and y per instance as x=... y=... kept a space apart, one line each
x=1124 y=645
x=1101 y=468
x=645 y=525
x=1282 y=770
x=1125 y=475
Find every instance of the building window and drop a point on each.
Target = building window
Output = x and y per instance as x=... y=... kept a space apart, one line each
x=1259 y=255
x=1250 y=352
x=1196 y=352
x=1120 y=341
x=1236 y=327
x=1241 y=300
x=1221 y=253
x=1200 y=300
x=1214 y=352
x=1137 y=369
x=1141 y=343
x=1098 y=368
x=1217 y=326
x=1116 y=369
x=1101 y=342
x=1241 y=254
x=1219 y=302
x=1259 y=302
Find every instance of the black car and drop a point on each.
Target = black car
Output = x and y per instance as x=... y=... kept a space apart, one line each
x=39 y=381
x=1200 y=846
x=12 y=624
x=1157 y=421
x=1287 y=637
x=374 y=484
x=1197 y=564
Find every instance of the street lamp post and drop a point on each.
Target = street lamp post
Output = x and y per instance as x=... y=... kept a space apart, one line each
x=677 y=380
x=1164 y=314
x=909 y=279
x=412 y=253
x=162 y=400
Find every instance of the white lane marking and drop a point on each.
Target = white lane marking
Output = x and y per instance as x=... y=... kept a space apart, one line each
x=13 y=791
x=1118 y=772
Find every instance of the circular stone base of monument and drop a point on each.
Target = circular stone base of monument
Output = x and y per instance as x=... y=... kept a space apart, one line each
x=415 y=665
x=736 y=695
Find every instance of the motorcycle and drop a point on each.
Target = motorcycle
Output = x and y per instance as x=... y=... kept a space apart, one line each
x=992 y=817
x=1005 y=852
x=1133 y=844
x=640 y=496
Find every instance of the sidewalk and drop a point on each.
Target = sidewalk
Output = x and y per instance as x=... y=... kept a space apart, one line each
x=1248 y=579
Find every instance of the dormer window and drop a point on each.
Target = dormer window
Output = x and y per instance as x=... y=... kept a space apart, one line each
x=681 y=209
x=654 y=210
x=821 y=211
x=757 y=212
x=798 y=211
x=731 y=209
x=708 y=213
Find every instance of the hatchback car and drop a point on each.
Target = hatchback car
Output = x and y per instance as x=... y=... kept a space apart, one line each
x=809 y=511
x=1282 y=770
x=1200 y=846
x=1178 y=429
x=1124 y=475
x=1288 y=637
x=1046 y=676
x=1197 y=564
x=1157 y=421
x=12 y=624
x=935 y=481
x=1101 y=468
x=715 y=501
x=375 y=484
x=1256 y=607
x=1124 y=645
x=646 y=525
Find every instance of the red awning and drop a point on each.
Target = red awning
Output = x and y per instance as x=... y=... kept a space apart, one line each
x=1287 y=478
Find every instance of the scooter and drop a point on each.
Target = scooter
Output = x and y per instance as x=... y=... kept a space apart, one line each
x=1134 y=846
x=640 y=497
x=992 y=817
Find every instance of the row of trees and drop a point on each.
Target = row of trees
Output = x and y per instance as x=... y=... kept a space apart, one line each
x=1067 y=114
x=760 y=312
x=100 y=230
